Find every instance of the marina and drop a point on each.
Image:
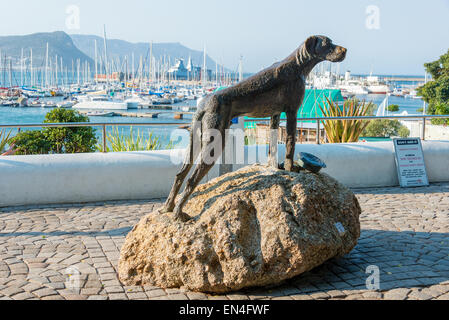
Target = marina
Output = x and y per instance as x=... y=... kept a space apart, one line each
x=157 y=89
x=182 y=151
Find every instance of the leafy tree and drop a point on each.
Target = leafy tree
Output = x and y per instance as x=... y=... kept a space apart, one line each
x=436 y=92
x=385 y=128
x=69 y=140
x=404 y=132
x=31 y=142
x=393 y=108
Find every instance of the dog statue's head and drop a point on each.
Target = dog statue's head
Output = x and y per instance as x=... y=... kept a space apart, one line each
x=321 y=47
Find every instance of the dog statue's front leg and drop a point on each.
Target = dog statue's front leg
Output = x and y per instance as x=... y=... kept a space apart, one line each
x=291 y=139
x=274 y=137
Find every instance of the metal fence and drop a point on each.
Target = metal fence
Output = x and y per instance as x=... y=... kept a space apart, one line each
x=91 y=124
x=318 y=121
x=422 y=118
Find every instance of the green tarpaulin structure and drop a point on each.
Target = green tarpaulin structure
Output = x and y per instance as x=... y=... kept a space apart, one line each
x=310 y=107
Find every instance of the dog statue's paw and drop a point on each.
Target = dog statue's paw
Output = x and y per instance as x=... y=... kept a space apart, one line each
x=162 y=210
x=181 y=217
x=295 y=168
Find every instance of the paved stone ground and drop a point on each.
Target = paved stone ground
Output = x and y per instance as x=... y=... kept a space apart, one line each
x=405 y=234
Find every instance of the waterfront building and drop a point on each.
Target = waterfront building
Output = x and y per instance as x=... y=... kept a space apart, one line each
x=190 y=72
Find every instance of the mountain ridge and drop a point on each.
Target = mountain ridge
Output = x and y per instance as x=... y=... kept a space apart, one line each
x=82 y=47
x=59 y=44
x=121 y=48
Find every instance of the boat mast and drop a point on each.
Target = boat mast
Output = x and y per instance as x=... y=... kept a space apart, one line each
x=132 y=68
x=21 y=68
x=168 y=69
x=106 y=57
x=150 y=63
x=78 y=66
x=204 y=67
x=126 y=72
x=42 y=75
x=10 y=74
x=140 y=72
x=62 y=73
x=216 y=73
x=46 y=67
x=241 y=69
x=96 y=63
x=31 y=67
x=56 y=71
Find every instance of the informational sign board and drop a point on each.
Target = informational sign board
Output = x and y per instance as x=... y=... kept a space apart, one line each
x=410 y=162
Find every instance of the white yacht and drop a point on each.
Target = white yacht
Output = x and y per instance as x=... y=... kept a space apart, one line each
x=66 y=104
x=102 y=102
x=375 y=86
x=353 y=87
x=413 y=94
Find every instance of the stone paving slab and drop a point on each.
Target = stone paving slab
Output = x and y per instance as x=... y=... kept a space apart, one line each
x=71 y=252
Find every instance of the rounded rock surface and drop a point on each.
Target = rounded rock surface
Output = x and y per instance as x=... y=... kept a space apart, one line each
x=254 y=227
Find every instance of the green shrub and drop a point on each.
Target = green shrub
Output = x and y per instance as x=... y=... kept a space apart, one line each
x=342 y=131
x=404 y=132
x=31 y=142
x=5 y=139
x=120 y=142
x=69 y=140
x=393 y=108
x=385 y=128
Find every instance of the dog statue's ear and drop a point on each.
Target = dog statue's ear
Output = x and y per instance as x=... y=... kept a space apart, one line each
x=311 y=43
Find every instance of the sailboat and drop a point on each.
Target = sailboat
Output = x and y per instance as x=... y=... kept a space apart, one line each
x=424 y=110
x=382 y=108
x=102 y=100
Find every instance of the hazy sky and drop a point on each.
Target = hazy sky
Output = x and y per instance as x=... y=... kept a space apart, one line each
x=393 y=37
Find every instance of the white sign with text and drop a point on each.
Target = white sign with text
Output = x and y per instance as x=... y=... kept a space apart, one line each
x=410 y=162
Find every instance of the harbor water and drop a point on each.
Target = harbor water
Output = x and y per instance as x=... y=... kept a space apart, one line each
x=179 y=137
x=165 y=134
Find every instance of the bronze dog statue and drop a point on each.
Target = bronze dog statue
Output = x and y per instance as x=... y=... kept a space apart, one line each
x=277 y=89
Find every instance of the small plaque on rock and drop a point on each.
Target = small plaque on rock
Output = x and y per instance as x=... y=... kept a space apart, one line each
x=340 y=228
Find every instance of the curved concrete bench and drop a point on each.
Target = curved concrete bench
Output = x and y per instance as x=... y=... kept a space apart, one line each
x=372 y=164
x=84 y=177
x=33 y=180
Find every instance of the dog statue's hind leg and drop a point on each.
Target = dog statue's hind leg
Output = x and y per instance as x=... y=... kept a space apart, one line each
x=191 y=156
x=210 y=153
x=200 y=172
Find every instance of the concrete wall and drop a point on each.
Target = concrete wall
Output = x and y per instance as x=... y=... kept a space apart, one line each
x=29 y=180
x=45 y=179
x=369 y=164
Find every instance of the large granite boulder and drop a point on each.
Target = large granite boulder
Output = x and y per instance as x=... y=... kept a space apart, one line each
x=254 y=227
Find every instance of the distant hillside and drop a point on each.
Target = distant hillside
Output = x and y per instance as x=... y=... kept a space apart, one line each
x=120 y=49
x=74 y=47
x=59 y=43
